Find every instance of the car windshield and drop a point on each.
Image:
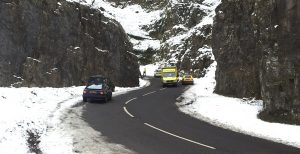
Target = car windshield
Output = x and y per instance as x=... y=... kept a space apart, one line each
x=188 y=76
x=169 y=74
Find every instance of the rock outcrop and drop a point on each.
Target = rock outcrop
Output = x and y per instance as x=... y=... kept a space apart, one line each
x=57 y=43
x=185 y=38
x=256 y=44
x=183 y=32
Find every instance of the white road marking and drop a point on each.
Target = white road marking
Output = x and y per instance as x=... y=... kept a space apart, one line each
x=207 y=146
x=130 y=100
x=162 y=89
x=149 y=93
x=128 y=112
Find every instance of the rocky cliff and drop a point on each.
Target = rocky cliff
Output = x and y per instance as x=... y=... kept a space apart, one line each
x=256 y=44
x=56 y=43
x=185 y=34
x=183 y=30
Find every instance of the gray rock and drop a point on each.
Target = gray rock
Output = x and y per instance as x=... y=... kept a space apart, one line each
x=43 y=43
x=256 y=44
x=176 y=19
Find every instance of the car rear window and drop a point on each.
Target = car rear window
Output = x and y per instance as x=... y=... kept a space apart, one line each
x=93 y=86
x=188 y=76
x=95 y=81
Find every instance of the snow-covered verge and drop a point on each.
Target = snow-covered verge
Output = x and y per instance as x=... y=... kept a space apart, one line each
x=239 y=115
x=48 y=120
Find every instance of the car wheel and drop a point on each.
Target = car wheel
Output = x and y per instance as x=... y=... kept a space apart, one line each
x=84 y=99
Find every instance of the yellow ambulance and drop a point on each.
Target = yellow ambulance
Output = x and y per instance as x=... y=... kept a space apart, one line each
x=169 y=76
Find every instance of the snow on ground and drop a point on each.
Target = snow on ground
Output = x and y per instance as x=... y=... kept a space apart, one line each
x=53 y=117
x=150 y=68
x=239 y=115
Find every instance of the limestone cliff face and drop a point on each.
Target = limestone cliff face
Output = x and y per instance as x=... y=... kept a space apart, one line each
x=184 y=36
x=234 y=47
x=52 y=43
x=256 y=44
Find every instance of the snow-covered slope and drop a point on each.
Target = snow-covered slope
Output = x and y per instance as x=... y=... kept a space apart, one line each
x=185 y=33
x=166 y=31
x=133 y=18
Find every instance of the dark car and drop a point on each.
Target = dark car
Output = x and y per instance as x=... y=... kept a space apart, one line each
x=98 y=88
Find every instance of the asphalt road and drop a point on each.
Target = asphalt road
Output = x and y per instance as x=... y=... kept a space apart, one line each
x=147 y=121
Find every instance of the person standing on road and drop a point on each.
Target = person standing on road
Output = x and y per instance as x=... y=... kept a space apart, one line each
x=144 y=73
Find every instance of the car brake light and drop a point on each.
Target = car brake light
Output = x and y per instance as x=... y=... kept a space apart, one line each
x=101 y=92
x=85 y=91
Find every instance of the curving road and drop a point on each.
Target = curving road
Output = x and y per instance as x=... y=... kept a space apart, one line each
x=147 y=121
